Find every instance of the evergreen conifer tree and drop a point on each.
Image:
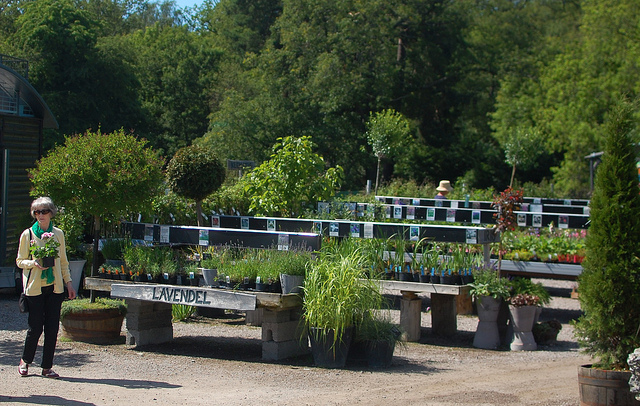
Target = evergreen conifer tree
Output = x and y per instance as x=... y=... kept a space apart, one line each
x=610 y=282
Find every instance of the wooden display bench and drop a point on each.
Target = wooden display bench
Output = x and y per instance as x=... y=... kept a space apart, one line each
x=550 y=270
x=148 y=319
x=447 y=301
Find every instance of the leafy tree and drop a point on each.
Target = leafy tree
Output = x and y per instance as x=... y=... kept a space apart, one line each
x=99 y=174
x=85 y=86
x=385 y=130
x=176 y=69
x=195 y=172
x=328 y=64
x=521 y=149
x=294 y=175
x=609 y=285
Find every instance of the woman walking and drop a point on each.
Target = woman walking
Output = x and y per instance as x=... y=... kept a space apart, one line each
x=43 y=286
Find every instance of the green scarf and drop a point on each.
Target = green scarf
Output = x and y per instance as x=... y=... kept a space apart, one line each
x=47 y=273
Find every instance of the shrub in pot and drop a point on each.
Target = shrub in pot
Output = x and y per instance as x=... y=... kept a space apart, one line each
x=375 y=340
x=489 y=290
x=609 y=285
x=97 y=322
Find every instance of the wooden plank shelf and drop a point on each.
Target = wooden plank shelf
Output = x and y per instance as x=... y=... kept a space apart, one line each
x=551 y=270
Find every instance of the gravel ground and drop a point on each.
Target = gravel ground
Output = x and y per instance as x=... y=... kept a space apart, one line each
x=218 y=361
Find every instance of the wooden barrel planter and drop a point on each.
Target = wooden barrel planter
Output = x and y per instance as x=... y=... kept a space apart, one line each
x=604 y=387
x=97 y=326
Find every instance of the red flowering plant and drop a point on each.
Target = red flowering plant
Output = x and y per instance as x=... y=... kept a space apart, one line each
x=506 y=203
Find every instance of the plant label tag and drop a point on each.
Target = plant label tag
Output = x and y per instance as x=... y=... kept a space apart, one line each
x=414 y=233
x=522 y=220
x=164 y=234
x=411 y=212
x=431 y=214
x=355 y=230
x=537 y=220
x=271 y=225
x=397 y=212
x=334 y=229
x=563 y=221
x=283 y=242
x=451 y=215
x=368 y=230
x=203 y=237
x=475 y=216
x=148 y=232
x=472 y=236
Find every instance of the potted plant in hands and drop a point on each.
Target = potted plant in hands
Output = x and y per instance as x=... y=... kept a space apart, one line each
x=489 y=290
x=609 y=285
x=46 y=253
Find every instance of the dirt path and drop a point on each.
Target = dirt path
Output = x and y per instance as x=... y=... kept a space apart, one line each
x=218 y=362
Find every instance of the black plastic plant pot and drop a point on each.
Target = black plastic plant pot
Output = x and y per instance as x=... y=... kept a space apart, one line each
x=325 y=354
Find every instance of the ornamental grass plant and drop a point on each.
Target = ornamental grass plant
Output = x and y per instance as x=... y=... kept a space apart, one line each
x=337 y=292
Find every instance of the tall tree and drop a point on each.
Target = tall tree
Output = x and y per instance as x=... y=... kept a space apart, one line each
x=85 y=87
x=176 y=68
x=385 y=131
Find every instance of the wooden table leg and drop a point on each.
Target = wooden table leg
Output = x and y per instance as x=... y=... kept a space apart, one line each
x=443 y=314
x=410 y=307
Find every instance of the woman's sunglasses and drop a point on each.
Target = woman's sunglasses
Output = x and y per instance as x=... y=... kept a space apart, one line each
x=43 y=211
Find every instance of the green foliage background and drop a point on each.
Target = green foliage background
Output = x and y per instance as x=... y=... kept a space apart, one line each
x=236 y=75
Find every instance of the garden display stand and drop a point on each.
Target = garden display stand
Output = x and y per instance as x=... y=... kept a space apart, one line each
x=148 y=318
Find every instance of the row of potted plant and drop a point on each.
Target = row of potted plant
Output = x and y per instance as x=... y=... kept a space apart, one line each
x=256 y=269
x=220 y=266
x=424 y=261
x=547 y=245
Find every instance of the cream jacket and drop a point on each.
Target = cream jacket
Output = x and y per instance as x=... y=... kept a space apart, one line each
x=33 y=286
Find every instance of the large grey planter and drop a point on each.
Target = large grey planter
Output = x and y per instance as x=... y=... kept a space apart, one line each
x=487 y=335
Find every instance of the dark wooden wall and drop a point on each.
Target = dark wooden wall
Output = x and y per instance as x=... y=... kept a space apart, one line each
x=22 y=136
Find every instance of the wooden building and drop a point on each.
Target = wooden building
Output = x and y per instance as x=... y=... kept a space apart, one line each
x=23 y=117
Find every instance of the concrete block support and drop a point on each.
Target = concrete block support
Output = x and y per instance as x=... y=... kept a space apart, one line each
x=254 y=317
x=282 y=335
x=148 y=322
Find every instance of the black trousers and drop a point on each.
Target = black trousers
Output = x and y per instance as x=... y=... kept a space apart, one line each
x=44 y=315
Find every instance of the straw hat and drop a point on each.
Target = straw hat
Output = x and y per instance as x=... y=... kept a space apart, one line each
x=445 y=186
